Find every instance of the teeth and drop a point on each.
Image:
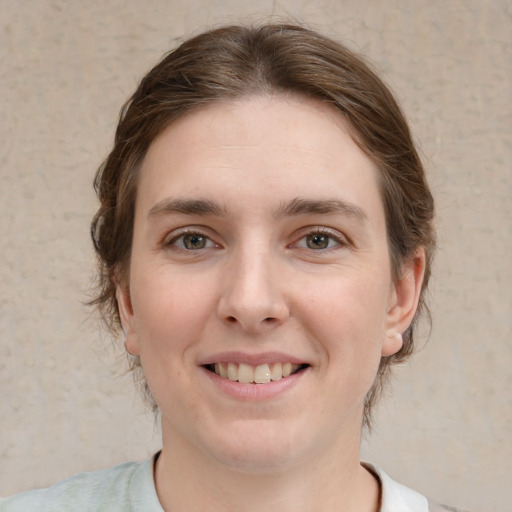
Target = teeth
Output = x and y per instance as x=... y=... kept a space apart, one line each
x=261 y=374
x=245 y=373
x=232 y=371
x=221 y=370
x=277 y=371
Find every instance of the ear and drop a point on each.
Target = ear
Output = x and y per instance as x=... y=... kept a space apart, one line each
x=404 y=298
x=124 y=303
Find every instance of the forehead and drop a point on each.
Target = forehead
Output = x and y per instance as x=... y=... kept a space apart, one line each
x=273 y=148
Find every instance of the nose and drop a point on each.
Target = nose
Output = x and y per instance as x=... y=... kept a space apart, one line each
x=253 y=292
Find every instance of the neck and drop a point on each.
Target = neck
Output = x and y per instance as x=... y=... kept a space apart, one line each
x=186 y=479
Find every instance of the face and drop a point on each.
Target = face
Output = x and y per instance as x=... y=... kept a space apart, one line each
x=259 y=295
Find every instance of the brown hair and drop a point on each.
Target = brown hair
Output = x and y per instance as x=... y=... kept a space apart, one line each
x=238 y=61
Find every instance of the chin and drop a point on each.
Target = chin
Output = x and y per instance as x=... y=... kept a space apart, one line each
x=257 y=448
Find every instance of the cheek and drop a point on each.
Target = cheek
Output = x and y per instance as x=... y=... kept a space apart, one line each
x=347 y=319
x=170 y=310
x=171 y=315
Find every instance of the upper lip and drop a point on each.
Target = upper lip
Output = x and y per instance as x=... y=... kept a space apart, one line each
x=251 y=359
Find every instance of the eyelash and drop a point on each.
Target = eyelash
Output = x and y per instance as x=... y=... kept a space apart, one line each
x=172 y=243
x=340 y=241
x=331 y=236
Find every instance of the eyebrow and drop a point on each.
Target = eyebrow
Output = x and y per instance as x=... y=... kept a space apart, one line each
x=186 y=207
x=300 y=206
x=297 y=206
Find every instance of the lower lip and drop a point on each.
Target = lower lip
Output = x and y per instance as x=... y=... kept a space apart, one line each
x=254 y=392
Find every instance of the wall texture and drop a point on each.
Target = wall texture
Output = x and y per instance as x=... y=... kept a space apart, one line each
x=66 y=69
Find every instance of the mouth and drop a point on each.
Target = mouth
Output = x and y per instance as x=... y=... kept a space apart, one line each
x=249 y=374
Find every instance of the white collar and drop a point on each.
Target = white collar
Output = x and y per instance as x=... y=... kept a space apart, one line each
x=396 y=497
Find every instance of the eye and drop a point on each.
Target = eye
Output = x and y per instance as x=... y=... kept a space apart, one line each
x=320 y=240
x=192 y=242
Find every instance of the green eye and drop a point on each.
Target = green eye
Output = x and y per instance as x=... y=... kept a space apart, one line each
x=318 y=241
x=194 y=241
x=188 y=241
x=321 y=240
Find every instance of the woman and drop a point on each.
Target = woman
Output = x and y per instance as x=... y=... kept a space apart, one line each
x=265 y=241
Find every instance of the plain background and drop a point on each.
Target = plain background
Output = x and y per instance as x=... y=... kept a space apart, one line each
x=67 y=67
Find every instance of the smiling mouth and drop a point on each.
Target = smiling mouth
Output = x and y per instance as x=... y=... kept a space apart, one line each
x=261 y=374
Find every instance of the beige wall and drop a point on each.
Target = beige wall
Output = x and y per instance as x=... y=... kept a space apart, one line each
x=66 y=68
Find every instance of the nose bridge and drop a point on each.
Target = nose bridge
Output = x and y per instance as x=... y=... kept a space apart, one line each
x=253 y=297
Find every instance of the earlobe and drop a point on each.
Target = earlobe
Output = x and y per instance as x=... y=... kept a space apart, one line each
x=404 y=302
x=126 y=315
x=392 y=344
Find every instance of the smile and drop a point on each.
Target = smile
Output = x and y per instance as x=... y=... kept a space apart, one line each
x=261 y=374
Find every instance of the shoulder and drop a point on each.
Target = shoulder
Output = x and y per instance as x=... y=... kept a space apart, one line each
x=127 y=487
x=396 y=497
x=437 y=507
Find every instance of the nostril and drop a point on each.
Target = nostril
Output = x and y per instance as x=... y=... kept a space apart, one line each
x=268 y=320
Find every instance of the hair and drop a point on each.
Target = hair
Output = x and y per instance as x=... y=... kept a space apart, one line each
x=234 y=62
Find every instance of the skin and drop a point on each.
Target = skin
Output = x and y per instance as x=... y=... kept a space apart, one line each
x=284 y=257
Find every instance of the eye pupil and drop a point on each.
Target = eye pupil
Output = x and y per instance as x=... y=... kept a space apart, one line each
x=317 y=241
x=194 y=241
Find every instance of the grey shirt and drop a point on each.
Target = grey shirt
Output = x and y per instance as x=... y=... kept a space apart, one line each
x=130 y=487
